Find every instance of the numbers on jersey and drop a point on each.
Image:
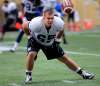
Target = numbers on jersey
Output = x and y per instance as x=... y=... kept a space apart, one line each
x=29 y=7
x=45 y=38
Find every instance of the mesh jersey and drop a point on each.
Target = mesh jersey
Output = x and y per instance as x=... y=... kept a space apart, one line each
x=28 y=6
x=40 y=33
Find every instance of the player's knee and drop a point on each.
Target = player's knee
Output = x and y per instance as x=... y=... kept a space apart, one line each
x=32 y=55
x=64 y=58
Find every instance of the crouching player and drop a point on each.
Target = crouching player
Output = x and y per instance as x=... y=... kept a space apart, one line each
x=45 y=32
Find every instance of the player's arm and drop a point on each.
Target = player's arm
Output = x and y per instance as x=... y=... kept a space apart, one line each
x=26 y=28
x=22 y=7
x=60 y=34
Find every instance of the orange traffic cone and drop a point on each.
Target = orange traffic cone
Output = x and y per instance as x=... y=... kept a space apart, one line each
x=87 y=25
x=18 y=25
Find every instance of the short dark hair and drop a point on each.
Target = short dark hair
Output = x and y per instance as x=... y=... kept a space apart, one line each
x=6 y=1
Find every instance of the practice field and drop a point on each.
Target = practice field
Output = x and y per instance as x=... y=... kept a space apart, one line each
x=83 y=47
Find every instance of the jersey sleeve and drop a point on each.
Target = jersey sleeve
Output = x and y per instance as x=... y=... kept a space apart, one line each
x=59 y=23
x=33 y=25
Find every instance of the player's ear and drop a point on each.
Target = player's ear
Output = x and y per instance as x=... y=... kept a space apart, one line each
x=43 y=15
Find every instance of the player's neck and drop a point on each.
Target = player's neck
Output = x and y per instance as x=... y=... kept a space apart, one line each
x=47 y=28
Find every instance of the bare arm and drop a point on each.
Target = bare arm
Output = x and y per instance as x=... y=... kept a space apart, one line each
x=22 y=7
x=25 y=28
x=60 y=33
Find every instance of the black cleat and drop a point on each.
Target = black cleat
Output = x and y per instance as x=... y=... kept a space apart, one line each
x=87 y=75
x=12 y=50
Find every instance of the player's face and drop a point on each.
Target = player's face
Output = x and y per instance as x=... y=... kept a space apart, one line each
x=48 y=19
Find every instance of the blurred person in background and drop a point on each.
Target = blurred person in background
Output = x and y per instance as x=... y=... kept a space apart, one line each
x=73 y=19
x=30 y=9
x=72 y=14
x=58 y=8
x=10 y=11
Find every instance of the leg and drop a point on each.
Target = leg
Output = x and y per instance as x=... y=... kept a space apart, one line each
x=6 y=26
x=31 y=57
x=69 y=62
x=64 y=39
x=20 y=35
x=75 y=67
x=1 y=34
x=18 y=40
x=32 y=49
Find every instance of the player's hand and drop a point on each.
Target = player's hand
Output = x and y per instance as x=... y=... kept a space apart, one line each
x=58 y=41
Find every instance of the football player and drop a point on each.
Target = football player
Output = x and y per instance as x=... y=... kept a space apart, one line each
x=45 y=32
x=30 y=9
x=10 y=11
x=72 y=14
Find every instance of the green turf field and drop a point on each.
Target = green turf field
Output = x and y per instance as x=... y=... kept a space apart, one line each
x=83 y=47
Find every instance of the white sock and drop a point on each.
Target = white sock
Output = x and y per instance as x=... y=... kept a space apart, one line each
x=15 y=45
x=28 y=71
x=77 y=69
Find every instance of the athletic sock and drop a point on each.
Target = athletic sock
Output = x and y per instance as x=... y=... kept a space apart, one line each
x=15 y=45
x=29 y=73
x=80 y=72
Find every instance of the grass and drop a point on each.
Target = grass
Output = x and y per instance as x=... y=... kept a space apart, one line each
x=53 y=73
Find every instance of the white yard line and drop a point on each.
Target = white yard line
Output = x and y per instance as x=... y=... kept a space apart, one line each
x=5 y=48
x=96 y=66
x=80 y=53
x=68 y=81
x=91 y=35
x=14 y=84
x=0 y=52
x=7 y=43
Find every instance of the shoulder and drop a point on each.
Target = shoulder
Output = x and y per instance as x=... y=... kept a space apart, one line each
x=35 y=22
x=58 y=21
x=12 y=5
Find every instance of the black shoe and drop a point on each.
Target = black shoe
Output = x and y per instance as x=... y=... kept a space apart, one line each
x=87 y=75
x=12 y=50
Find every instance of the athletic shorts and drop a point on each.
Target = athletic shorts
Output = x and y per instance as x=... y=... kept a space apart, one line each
x=51 y=52
x=71 y=17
